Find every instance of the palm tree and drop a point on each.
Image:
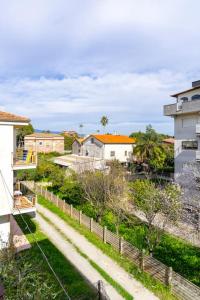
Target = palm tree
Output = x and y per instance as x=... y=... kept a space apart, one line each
x=81 y=127
x=147 y=145
x=104 y=121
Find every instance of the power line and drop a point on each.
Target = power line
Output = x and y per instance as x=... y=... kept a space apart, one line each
x=35 y=240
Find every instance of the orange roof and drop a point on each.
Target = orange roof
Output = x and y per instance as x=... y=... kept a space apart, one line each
x=8 y=117
x=169 y=141
x=114 y=139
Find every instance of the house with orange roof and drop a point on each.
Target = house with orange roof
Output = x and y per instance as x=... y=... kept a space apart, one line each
x=105 y=146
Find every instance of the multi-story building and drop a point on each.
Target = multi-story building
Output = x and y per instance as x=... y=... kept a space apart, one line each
x=44 y=142
x=105 y=146
x=186 y=114
x=12 y=158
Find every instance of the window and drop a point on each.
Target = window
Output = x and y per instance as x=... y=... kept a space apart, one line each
x=187 y=122
x=125 y=153
x=112 y=153
x=86 y=153
x=189 y=145
x=40 y=143
x=184 y=99
x=195 y=97
x=92 y=140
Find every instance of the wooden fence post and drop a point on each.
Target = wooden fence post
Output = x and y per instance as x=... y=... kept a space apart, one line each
x=57 y=199
x=41 y=190
x=45 y=195
x=91 y=224
x=104 y=234
x=63 y=205
x=80 y=216
x=71 y=210
x=142 y=259
x=168 y=276
x=121 y=245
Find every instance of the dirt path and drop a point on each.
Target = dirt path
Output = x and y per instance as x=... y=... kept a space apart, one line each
x=123 y=278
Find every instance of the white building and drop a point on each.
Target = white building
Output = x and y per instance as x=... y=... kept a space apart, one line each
x=186 y=114
x=12 y=159
x=106 y=147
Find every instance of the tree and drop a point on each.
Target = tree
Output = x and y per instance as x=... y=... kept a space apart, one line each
x=104 y=121
x=161 y=206
x=103 y=191
x=149 y=149
x=68 y=141
x=23 y=131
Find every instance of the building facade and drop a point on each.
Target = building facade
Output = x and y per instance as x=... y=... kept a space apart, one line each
x=11 y=160
x=186 y=114
x=44 y=142
x=106 y=147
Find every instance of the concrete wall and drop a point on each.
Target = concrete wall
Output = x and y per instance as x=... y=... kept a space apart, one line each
x=185 y=130
x=95 y=149
x=44 y=145
x=76 y=148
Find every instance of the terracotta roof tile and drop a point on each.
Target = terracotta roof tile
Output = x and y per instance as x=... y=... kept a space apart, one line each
x=8 y=117
x=44 y=135
x=114 y=139
x=169 y=141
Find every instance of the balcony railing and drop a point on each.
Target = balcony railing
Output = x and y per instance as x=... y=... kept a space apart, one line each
x=23 y=157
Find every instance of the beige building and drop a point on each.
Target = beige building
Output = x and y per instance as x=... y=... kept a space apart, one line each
x=44 y=142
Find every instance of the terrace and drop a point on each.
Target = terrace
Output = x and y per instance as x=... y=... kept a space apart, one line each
x=24 y=204
x=24 y=159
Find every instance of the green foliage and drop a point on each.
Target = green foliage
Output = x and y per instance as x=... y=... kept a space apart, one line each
x=151 y=150
x=104 y=121
x=72 y=192
x=159 y=289
x=75 y=284
x=68 y=141
x=24 y=130
x=155 y=201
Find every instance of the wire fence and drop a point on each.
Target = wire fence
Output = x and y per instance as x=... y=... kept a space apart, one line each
x=180 y=287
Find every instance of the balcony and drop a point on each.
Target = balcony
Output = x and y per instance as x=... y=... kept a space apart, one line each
x=24 y=159
x=198 y=155
x=24 y=204
x=192 y=106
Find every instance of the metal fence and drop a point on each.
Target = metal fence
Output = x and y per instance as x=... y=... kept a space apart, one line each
x=180 y=287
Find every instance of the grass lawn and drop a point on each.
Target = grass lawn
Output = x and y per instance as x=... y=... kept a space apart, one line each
x=76 y=286
x=172 y=251
x=159 y=289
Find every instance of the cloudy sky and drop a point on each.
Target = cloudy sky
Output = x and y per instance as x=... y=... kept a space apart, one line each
x=67 y=62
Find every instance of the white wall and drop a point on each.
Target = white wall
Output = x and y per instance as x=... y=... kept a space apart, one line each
x=119 y=152
x=185 y=130
x=4 y=230
x=6 y=150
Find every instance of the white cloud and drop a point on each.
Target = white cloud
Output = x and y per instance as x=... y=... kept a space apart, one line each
x=129 y=99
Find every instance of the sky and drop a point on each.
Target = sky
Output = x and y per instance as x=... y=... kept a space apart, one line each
x=65 y=63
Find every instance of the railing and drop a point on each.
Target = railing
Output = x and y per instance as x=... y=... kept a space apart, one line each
x=179 y=286
x=170 y=109
x=24 y=157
